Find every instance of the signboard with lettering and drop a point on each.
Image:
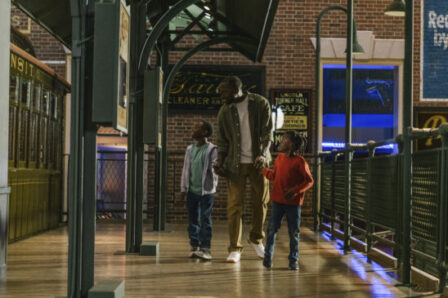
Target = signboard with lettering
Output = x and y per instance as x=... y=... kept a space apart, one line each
x=435 y=50
x=294 y=104
x=429 y=118
x=195 y=87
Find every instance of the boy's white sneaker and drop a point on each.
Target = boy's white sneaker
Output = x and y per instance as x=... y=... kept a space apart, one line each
x=234 y=257
x=259 y=249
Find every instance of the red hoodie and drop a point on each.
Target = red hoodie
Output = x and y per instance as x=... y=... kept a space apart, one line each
x=289 y=173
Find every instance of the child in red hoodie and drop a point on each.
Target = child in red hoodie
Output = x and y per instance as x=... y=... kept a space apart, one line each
x=292 y=177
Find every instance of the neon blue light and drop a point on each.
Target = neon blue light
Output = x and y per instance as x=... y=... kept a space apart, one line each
x=342 y=66
x=360 y=120
x=336 y=145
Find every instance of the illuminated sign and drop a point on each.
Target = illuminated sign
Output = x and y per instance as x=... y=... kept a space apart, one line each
x=294 y=104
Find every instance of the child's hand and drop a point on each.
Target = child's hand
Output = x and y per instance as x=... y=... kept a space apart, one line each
x=289 y=194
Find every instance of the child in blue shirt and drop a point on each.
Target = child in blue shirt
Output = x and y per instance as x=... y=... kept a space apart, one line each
x=198 y=185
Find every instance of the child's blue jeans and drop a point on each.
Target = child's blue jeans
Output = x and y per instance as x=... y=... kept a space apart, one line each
x=293 y=214
x=199 y=219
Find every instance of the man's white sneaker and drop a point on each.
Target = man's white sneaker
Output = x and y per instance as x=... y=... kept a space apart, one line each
x=259 y=249
x=234 y=257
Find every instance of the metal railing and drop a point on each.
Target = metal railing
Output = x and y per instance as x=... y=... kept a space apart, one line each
x=376 y=200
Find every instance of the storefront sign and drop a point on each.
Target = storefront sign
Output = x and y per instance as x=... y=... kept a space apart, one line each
x=294 y=104
x=435 y=50
x=429 y=118
x=195 y=87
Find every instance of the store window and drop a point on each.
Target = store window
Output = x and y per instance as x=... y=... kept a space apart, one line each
x=375 y=104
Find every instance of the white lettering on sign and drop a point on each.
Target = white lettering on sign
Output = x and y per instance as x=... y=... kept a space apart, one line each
x=437 y=22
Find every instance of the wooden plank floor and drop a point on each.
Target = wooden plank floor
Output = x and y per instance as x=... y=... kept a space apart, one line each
x=37 y=267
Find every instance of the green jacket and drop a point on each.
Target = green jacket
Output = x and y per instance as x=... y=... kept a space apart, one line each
x=229 y=140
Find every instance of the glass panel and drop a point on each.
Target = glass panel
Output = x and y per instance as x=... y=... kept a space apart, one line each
x=22 y=146
x=13 y=88
x=375 y=98
x=37 y=96
x=45 y=101
x=43 y=141
x=25 y=93
x=12 y=134
x=53 y=105
x=34 y=136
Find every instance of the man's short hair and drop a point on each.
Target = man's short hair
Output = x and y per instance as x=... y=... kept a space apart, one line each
x=233 y=81
x=208 y=127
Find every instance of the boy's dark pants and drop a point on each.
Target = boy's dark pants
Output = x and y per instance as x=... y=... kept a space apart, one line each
x=293 y=214
x=199 y=219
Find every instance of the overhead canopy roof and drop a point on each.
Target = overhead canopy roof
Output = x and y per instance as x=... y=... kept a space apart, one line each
x=53 y=15
x=251 y=19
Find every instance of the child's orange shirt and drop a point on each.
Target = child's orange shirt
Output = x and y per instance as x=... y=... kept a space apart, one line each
x=289 y=173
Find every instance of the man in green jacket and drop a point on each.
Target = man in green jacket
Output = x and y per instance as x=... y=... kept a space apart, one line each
x=244 y=138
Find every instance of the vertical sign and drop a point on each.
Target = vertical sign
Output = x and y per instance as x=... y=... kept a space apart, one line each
x=123 y=80
x=110 y=65
x=435 y=50
x=429 y=118
x=294 y=104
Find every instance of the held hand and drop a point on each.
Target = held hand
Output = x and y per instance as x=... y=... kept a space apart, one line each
x=219 y=169
x=289 y=194
x=259 y=162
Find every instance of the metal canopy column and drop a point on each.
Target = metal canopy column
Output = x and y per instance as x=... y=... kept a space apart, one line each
x=135 y=176
x=408 y=86
x=348 y=125
x=5 y=8
x=83 y=159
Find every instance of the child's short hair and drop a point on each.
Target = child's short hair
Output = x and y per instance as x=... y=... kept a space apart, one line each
x=298 y=140
x=208 y=127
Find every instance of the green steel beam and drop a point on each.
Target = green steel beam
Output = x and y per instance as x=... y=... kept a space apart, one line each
x=266 y=29
x=318 y=135
x=83 y=156
x=158 y=29
x=134 y=203
x=348 y=125
x=407 y=141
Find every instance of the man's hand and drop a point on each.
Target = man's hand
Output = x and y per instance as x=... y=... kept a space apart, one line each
x=259 y=162
x=183 y=195
x=219 y=169
x=289 y=194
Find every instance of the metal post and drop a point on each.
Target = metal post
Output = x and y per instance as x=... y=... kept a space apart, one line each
x=164 y=154
x=443 y=209
x=348 y=125
x=318 y=135
x=5 y=8
x=135 y=145
x=83 y=160
x=369 y=231
x=407 y=141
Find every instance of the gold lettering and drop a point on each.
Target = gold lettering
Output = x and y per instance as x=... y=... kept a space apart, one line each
x=13 y=59
x=20 y=63
x=176 y=89
x=210 y=89
x=433 y=122
x=31 y=69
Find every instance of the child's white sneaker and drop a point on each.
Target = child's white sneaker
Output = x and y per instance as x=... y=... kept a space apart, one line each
x=234 y=257
x=195 y=252
x=259 y=249
x=206 y=254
